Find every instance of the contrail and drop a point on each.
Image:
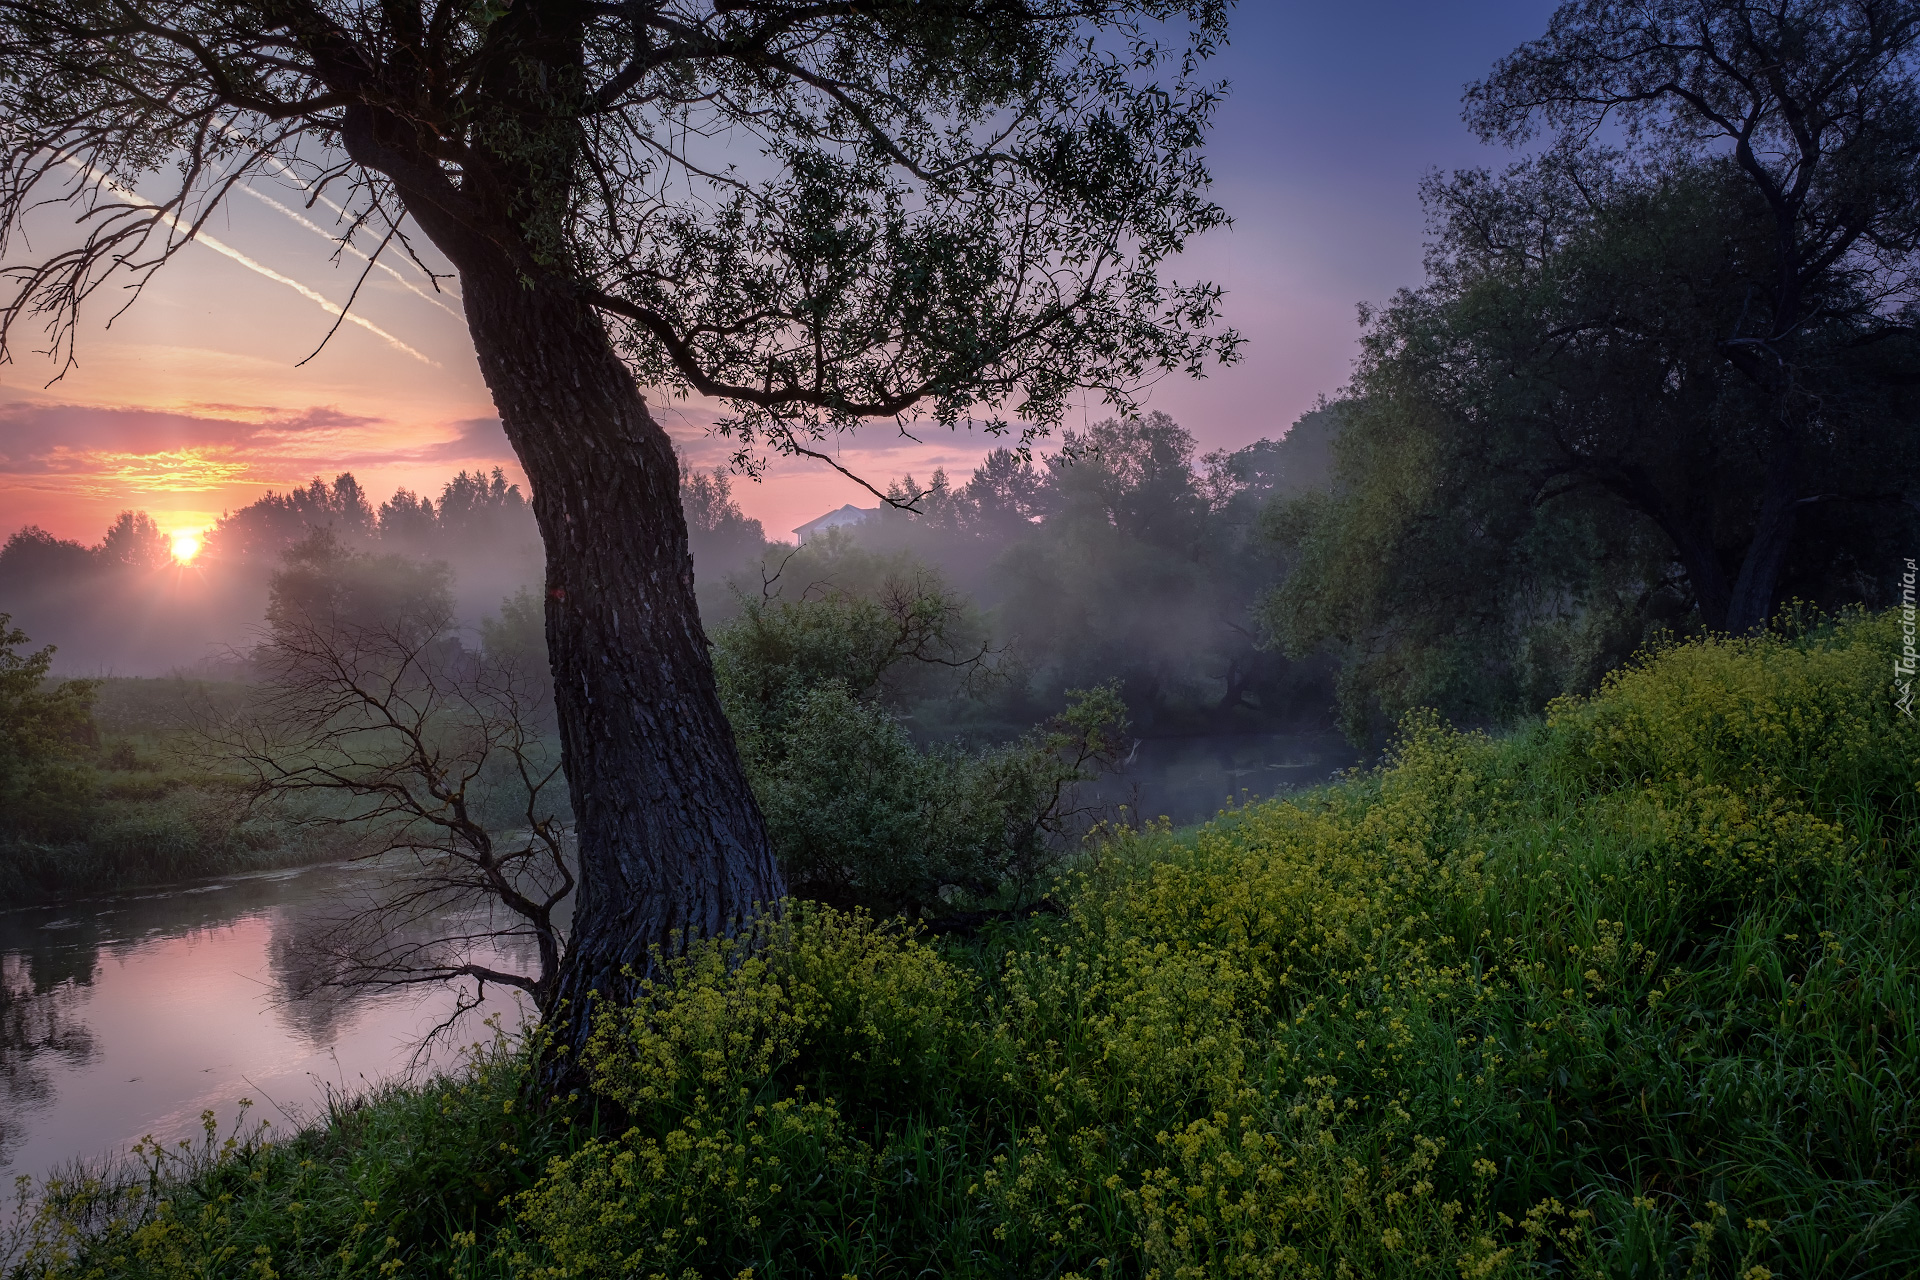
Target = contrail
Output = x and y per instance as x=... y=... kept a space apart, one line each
x=174 y=221
x=351 y=317
x=286 y=171
x=350 y=247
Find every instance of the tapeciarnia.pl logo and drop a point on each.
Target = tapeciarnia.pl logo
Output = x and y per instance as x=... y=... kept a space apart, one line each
x=1903 y=666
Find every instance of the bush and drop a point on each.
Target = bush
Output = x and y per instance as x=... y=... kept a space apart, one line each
x=860 y=814
x=46 y=732
x=1627 y=993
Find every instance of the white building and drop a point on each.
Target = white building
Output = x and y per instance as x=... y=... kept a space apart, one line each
x=847 y=515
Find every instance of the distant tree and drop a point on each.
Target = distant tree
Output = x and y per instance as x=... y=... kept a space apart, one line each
x=93 y=600
x=470 y=504
x=1121 y=555
x=1804 y=115
x=266 y=527
x=406 y=521
x=721 y=537
x=1008 y=492
x=1245 y=480
x=965 y=206
x=1143 y=567
x=517 y=634
x=34 y=559
x=134 y=541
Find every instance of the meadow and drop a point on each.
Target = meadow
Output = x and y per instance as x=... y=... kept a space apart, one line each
x=1627 y=991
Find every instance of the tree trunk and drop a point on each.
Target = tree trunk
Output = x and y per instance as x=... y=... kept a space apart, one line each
x=671 y=842
x=1750 y=605
x=1690 y=531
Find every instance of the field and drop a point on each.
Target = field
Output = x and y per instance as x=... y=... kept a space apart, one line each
x=1629 y=991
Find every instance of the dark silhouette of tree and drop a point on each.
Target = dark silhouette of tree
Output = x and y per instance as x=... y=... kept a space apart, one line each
x=265 y=528
x=1813 y=105
x=434 y=754
x=134 y=541
x=818 y=212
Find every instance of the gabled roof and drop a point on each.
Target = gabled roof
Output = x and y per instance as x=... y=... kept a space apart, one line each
x=846 y=515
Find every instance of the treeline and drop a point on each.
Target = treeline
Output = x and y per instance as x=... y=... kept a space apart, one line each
x=1124 y=556
x=1661 y=386
x=125 y=606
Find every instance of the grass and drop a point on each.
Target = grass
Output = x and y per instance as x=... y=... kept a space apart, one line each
x=144 y=808
x=1631 y=991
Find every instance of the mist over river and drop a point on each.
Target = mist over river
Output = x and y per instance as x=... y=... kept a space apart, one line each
x=1188 y=780
x=129 y=1015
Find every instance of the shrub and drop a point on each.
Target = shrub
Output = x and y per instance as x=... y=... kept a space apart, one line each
x=859 y=813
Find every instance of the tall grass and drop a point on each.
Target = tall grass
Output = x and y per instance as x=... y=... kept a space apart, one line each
x=1629 y=992
x=143 y=806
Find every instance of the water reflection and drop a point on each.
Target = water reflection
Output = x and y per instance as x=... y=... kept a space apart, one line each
x=1191 y=779
x=39 y=1035
x=129 y=1015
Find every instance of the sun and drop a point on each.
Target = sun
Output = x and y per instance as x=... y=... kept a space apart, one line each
x=186 y=545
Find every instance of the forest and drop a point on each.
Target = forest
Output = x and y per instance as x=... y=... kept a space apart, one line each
x=841 y=946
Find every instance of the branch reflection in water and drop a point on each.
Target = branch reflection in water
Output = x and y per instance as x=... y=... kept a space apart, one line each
x=130 y=1015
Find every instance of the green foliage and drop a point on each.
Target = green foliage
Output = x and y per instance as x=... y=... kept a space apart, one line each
x=1658 y=387
x=138 y=805
x=46 y=730
x=1625 y=993
x=858 y=812
x=1552 y=1004
x=518 y=633
x=1436 y=577
x=879 y=624
x=93 y=795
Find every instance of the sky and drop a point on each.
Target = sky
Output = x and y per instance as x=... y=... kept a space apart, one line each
x=194 y=401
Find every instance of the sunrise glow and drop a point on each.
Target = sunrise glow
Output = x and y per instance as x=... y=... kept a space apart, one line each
x=186 y=545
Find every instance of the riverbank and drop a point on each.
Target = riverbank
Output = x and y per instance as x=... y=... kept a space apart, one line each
x=1630 y=991
x=144 y=807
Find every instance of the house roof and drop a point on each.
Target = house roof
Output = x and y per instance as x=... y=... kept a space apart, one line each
x=846 y=515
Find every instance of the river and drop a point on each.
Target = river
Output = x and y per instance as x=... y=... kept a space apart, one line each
x=130 y=1015
x=1188 y=780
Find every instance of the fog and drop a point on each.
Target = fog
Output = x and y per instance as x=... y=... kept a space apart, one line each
x=127 y=606
x=1123 y=556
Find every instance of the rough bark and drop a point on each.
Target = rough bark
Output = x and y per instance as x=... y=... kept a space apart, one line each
x=1745 y=603
x=671 y=842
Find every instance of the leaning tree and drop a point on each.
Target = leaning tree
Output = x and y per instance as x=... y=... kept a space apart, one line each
x=817 y=212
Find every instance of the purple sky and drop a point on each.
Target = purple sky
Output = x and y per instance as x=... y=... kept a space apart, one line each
x=192 y=404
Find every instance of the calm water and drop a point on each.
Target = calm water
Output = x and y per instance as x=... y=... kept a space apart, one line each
x=130 y=1015
x=127 y=1016
x=1192 y=779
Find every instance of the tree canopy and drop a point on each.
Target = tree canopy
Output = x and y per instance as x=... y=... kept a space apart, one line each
x=815 y=212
